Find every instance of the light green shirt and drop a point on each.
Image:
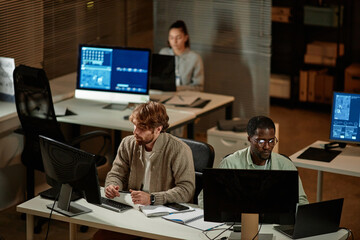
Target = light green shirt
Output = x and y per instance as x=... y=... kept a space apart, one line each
x=241 y=159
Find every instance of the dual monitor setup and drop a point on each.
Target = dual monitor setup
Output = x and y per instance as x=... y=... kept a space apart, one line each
x=119 y=76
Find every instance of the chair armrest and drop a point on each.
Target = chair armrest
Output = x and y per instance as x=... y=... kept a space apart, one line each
x=101 y=159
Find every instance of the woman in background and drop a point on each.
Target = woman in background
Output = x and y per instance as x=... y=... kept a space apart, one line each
x=189 y=68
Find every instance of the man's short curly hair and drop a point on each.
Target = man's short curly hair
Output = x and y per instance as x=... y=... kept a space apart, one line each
x=150 y=115
x=261 y=122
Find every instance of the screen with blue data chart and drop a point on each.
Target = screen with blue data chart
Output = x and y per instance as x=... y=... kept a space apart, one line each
x=345 y=118
x=113 y=74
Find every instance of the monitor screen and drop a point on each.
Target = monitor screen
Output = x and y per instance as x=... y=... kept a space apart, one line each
x=163 y=73
x=345 y=118
x=116 y=75
x=74 y=169
x=228 y=193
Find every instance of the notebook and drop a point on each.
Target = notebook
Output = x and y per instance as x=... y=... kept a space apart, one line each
x=163 y=73
x=314 y=219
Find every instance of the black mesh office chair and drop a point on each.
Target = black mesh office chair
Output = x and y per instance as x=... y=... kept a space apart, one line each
x=203 y=155
x=36 y=113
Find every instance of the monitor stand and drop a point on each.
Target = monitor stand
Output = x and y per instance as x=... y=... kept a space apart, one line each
x=335 y=145
x=249 y=228
x=64 y=204
x=116 y=106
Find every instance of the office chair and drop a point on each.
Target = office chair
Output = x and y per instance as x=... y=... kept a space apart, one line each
x=203 y=155
x=36 y=113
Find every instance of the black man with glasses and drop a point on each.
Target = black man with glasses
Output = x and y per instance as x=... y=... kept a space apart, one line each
x=259 y=155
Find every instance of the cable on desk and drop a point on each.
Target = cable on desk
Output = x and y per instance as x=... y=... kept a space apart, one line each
x=350 y=233
x=257 y=232
x=217 y=229
x=52 y=209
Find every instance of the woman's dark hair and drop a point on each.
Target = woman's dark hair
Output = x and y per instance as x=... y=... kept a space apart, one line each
x=261 y=122
x=181 y=24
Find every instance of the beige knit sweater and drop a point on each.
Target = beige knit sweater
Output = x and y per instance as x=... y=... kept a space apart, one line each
x=172 y=169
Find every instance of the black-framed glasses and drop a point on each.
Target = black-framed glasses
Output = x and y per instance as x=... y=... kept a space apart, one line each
x=261 y=142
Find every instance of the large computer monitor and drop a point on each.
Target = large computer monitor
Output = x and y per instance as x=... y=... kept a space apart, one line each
x=74 y=169
x=115 y=75
x=345 y=118
x=232 y=195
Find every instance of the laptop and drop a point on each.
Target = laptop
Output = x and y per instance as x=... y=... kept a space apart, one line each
x=163 y=73
x=314 y=219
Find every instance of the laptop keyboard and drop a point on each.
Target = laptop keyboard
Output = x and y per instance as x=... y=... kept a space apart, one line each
x=287 y=229
x=113 y=205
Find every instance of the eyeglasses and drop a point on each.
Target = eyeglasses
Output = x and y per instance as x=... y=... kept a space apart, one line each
x=261 y=142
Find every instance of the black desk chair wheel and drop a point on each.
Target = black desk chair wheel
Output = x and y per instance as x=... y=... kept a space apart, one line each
x=36 y=113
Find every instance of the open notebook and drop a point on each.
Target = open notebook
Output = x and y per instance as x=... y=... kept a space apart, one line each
x=193 y=219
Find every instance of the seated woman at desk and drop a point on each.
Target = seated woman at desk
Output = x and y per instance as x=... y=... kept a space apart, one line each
x=189 y=68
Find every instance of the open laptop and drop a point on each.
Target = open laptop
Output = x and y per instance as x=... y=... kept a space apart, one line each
x=314 y=219
x=163 y=73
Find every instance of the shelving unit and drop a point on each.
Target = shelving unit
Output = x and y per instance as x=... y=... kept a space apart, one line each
x=306 y=24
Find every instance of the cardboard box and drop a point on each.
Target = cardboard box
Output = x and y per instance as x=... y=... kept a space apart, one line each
x=352 y=78
x=280 y=86
x=322 y=16
x=325 y=49
x=321 y=60
x=281 y=14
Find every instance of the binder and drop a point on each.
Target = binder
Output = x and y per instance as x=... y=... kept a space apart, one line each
x=303 y=86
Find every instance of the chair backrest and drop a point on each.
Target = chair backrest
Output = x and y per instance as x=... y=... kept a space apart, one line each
x=203 y=155
x=36 y=112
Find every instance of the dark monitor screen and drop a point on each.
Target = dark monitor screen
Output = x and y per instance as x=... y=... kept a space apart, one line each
x=74 y=169
x=113 y=74
x=163 y=73
x=228 y=193
x=345 y=118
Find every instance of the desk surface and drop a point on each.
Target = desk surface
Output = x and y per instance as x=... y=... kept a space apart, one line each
x=92 y=113
x=136 y=223
x=346 y=163
x=217 y=101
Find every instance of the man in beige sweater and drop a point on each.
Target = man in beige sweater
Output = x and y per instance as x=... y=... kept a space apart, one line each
x=156 y=167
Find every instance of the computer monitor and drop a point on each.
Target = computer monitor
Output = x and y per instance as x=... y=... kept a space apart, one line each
x=74 y=169
x=345 y=118
x=232 y=195
x=163 y=73
x=115 y=75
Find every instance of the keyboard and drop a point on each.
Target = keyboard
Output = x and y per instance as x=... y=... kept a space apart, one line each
x=286 y=229
x=113 y=205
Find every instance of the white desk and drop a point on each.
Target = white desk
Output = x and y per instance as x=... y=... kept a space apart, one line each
x=217 y=102
x=92 y=113
x=346 y=163
x=132 y=222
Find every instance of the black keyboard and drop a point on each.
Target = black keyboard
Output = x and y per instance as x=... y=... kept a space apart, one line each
x=113 y=205
x=287 y=229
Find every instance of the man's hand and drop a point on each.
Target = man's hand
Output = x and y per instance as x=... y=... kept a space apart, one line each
x=112 y=191
x=140 y=197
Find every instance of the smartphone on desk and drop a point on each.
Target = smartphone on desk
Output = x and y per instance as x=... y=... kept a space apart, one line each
x=176 y=206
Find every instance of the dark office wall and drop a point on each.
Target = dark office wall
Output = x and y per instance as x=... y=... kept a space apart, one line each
x=355 y=55
x=46 y=33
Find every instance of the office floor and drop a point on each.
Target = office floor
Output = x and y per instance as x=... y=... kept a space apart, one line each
x=298 y=128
